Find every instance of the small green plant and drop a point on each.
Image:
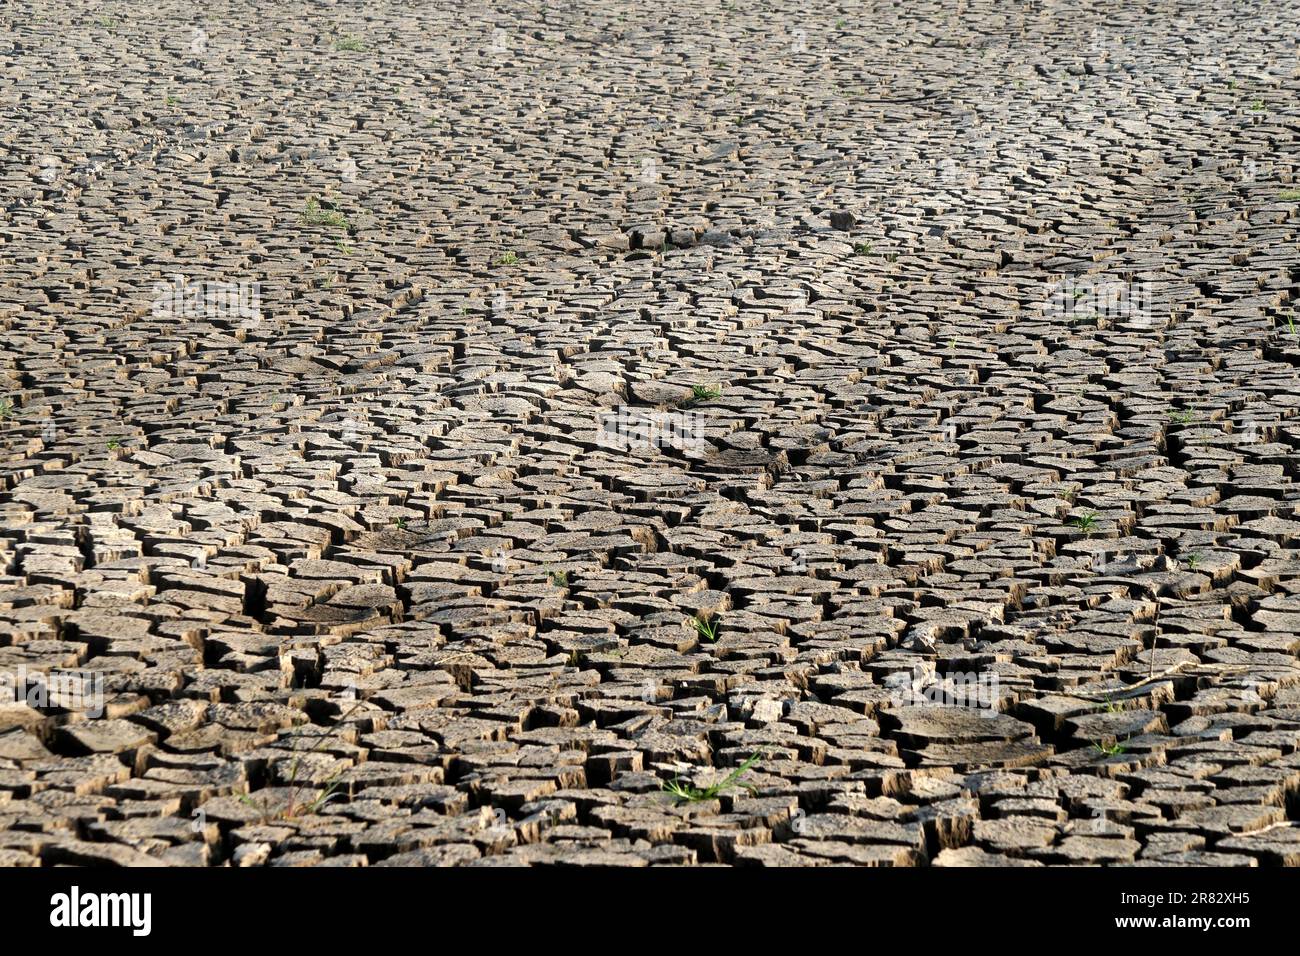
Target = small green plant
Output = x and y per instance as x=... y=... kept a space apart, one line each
x=685 y=793
x=1086 y=522
x=891 y=257
x=1192 y=560
x=294 y=808
x=559 y=579
x=1183 y=416
x=108 y=23
x=862 y=248
x=1289 y=195
x=952 y=344
x=704 y=627
x=318 y=213
x=170 y=100
x=348 y=43
x=1111 y=751
x=401 y=524
x=1257 y=106
x=114 y=444
x=507 y=259
x=840 y=24
x=703 y=393
x=6 y=408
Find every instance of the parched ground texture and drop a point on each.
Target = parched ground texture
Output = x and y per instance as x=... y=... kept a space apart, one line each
x=978 y=319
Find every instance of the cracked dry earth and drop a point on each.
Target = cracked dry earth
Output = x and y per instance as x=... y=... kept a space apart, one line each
x=363 y=581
